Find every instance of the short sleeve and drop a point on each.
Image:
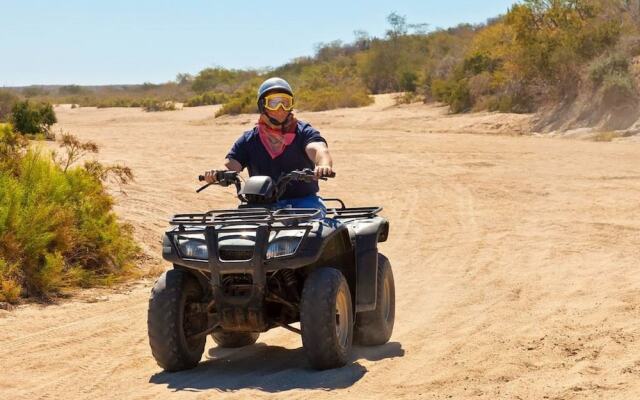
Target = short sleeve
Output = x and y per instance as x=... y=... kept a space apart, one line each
x=239 y=151
x=311 y=135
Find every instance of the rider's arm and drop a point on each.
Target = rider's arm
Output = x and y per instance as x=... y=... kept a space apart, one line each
x=232 y=165
x=229 y=164
x=318 y=152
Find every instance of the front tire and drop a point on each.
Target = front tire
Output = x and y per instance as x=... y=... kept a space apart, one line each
x=234 y=339
x=326 y=319
x=168 y=320
x=374 y=328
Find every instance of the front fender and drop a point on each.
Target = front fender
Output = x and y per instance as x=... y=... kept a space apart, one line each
x=365 y=234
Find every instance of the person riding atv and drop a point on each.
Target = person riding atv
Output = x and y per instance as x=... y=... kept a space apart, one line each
x=279 y=144
x=280 y=258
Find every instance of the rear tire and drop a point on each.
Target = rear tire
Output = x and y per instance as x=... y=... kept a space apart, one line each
x=375 y=327
x=170 y=298
x=234 y=339
x=326 y=319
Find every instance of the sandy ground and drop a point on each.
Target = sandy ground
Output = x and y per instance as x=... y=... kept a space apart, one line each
x=515 y=258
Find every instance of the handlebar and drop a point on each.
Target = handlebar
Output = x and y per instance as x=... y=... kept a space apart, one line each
x=305 y=175
x=226 y=178
x=223 y=178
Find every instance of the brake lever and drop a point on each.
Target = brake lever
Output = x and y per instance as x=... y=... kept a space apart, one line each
x=203 y=187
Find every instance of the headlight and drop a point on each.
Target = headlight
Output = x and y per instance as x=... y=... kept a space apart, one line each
x=282 y=247
x=193 y=246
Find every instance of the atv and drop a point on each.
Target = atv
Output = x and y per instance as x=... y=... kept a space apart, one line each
x=239 y=272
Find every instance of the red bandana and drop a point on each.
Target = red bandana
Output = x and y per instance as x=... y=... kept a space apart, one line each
x=273 y=139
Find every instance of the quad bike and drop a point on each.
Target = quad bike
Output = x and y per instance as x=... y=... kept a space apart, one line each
x=237 y=273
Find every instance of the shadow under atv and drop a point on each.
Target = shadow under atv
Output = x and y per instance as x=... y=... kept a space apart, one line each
x=271 y=369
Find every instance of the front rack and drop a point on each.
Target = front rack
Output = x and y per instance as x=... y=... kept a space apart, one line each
x=243 y=216
x=264 y=216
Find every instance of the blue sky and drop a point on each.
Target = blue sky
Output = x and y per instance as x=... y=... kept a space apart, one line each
x=118 y=42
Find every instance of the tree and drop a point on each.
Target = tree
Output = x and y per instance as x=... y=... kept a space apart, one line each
x=362 y=39
x=398 y=25
x=184 y=78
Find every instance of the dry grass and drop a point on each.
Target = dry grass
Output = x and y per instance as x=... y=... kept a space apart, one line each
x=606 y=136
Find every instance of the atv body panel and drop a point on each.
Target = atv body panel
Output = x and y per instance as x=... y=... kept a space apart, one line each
x=237 y=243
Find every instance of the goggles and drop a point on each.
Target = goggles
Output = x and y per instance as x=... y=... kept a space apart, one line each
x=276 y=100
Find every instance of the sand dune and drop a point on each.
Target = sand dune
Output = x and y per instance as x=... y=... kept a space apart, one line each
x=516 y=261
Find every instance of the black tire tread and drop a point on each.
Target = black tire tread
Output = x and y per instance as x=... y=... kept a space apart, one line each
x=317 y=310
x=164 y=314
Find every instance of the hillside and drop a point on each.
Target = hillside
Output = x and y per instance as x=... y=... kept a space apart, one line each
x=573 y=63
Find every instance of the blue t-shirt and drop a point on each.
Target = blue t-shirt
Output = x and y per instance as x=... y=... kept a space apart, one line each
x=249 y=151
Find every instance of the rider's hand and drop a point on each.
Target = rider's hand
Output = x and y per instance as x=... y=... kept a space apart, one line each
x=323 y=170
x=210 y=176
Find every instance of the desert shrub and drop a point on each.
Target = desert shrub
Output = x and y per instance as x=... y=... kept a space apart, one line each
x=611 y=64
x=220 y=79
x=12 y=148
x=408 y=98
x=33 y=118
x=241 y=102
x=481 y=85
x=606 y=136
x=116 y=102
x=327 y=85
x=618 y=88
x=152 y=105
x=207 y=99
x=57 y=228
x=408 y=81
x=7 y=101
x=453 y=92
x=328 y=98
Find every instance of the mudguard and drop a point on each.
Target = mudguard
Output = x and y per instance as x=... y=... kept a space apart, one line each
x=365 y=235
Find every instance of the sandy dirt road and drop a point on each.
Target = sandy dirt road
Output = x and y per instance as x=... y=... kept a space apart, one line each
x=516 y=262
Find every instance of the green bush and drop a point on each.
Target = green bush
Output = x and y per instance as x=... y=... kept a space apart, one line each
x=152 y=105
x=408 y=98
x=453 y=92
x=7 y=102
x=32 y=118
x=241 y=102
x=328 y=98
x=207 y=99
x=408 y=81
x=604 y=66
x=57 y=228
x=220 y=79
x=118 y=102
